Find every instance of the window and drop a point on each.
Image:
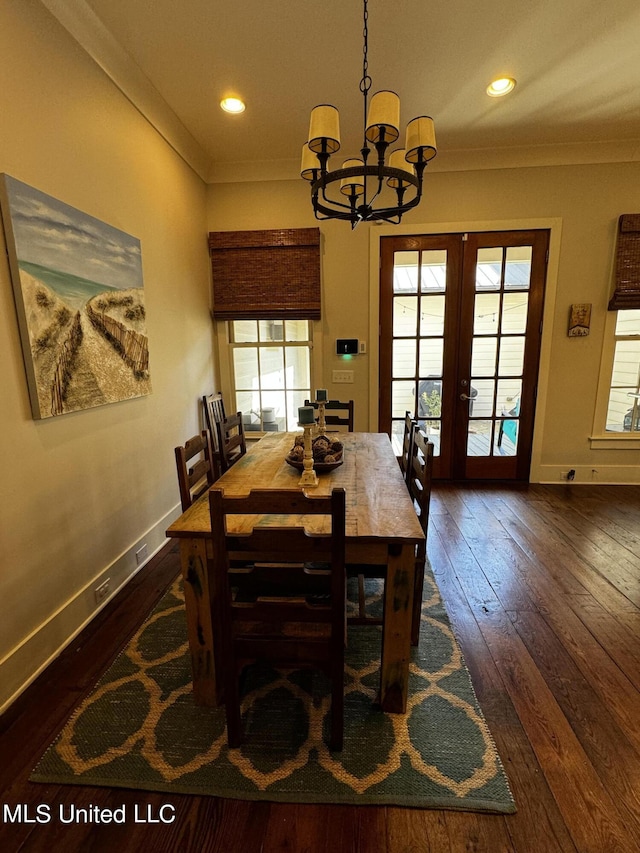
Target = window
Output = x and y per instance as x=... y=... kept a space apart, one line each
x=271 y=371
x=623 y=411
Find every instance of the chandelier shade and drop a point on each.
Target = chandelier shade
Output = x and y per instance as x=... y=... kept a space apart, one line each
x=361 y=191
x=383 y=120
x=421 y=140
x=324 y=129
x=355 y=183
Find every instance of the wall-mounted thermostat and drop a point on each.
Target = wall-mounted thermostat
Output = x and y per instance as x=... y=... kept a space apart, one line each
x=347 y=346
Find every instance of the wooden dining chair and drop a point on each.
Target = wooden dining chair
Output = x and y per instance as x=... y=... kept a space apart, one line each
x=194 y=478
x=232 y=444
x=214 y=413
x=364 y=572
x=279 y=591
x=419 y=476
x=410 y=425
x=419 y=479
x=336 y=413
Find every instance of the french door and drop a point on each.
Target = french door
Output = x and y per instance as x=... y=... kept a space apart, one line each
x=460 y=327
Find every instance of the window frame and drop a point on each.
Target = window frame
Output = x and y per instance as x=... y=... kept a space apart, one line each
x=225 y=345
x=600 y=438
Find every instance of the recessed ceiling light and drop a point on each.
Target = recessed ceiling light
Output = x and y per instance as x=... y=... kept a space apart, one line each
x=232 y=105
x=501 y=87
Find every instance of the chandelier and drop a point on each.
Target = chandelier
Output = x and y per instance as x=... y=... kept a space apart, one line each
x=357 y=191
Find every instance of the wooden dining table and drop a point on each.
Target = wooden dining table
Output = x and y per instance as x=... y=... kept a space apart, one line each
x=382 y=528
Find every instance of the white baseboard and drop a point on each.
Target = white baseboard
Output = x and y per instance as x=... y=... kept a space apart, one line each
x=604 y=475
x=24 y=663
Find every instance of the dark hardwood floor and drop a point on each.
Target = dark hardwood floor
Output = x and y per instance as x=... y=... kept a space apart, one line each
x=543 y=588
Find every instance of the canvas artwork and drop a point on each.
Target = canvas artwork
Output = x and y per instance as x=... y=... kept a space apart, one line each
x=80 y=303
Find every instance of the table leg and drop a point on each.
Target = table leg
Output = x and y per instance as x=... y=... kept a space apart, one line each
x=396 y=630
x=197 y=599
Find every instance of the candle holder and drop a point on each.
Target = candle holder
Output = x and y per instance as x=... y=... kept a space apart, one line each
x=309 y=476
x=322 y=426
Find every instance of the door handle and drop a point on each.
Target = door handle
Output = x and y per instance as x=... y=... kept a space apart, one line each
x=465 y=397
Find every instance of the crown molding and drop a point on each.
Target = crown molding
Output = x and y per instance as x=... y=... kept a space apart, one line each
x=81 y=22
x=462 y=160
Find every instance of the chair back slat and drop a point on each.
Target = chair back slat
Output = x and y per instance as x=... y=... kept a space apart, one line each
x=404 y=460
x=214 y=413
x=232 y=443
x=194 y=479
x=336 y=413
x=420 y=474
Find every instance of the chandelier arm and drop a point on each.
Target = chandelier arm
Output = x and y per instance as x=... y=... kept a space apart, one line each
x=336 y=203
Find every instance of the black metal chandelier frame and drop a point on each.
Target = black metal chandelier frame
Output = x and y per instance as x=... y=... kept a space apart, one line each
x=360 y=207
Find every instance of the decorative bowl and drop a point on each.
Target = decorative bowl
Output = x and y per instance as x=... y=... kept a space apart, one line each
x=318 y=467
x=321 y=445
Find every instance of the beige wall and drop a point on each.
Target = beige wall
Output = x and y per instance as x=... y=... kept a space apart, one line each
x=82 y=492
x=583 y=203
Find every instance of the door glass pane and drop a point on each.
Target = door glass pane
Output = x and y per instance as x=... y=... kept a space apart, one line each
x=297 y=361
x=514 y=313
x=506 y=438
x=482 y=394
x=489 y=269
x=517 y=273
x=404 y=358
x=429 y=398
x=245 y=368
x=434 y=272
x=432 y=430
x=405 y=316
x=511 y=361
x=479 y=438
x=483 y=356
x=402 y=398
x=431 y=354
x=485 y=313
x=272 y=367
x=432 y=315
x=508 y=402
x=397 y=436
x=405 y=272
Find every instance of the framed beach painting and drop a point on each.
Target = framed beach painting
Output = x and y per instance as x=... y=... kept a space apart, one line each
x=79 y=298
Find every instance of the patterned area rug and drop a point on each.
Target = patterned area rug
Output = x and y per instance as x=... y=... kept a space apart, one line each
x=140 y=728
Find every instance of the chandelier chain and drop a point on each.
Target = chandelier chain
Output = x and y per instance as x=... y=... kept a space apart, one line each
x=365 y=83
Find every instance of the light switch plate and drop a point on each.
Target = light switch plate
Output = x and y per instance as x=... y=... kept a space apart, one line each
x=342 y=376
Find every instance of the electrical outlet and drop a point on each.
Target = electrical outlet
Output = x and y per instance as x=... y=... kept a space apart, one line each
x=142 y=554
x=342 y=376
x=102 y=591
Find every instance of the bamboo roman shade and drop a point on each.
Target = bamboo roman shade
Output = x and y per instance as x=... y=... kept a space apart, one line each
x=266 y=274
x=627 y=266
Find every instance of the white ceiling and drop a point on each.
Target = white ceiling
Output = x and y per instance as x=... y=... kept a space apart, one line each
x=577 y=63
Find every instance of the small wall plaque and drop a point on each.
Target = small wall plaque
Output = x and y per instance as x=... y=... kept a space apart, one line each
x=579 y=319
